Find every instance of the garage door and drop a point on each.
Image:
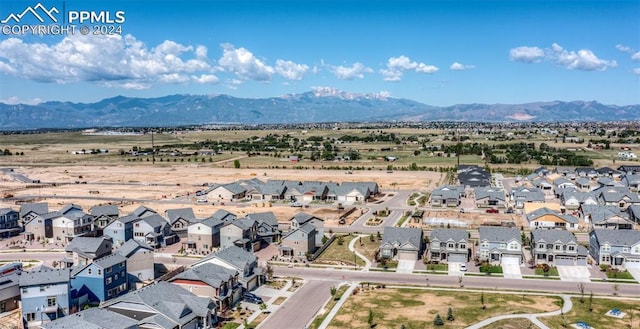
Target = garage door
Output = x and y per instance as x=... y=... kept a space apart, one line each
x=457 y=258
x=632 y=263
x=511 y=259
x=582 y=261
x=564 y=261
x=407 y=255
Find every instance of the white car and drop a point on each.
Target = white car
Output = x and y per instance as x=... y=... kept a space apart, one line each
x=463 y=267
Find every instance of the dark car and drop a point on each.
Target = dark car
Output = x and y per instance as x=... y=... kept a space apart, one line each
x=493 y=211
x=252 y=299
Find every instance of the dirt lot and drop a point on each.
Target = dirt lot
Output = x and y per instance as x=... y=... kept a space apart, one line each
x=161 y=184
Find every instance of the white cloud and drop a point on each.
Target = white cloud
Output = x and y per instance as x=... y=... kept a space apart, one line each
x=636 y=71
x=460 y=67
x=355 y=71
x=526 y=54
x=624 y=49
x=397 y=65
x=244 y=64
x=290 y=70
x=583 y=59
x=13 y=100
x=112 y=61
x=205 y=79
x=636 y=56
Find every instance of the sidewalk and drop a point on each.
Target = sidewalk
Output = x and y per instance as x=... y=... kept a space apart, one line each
x=566 y=307
x=367 y=263
x=327 y=320
x=273 y=295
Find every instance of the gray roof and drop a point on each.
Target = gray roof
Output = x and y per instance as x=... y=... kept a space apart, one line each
x=264 y=217
x=583 y=181
x=5 y=211
x=270 y=188
x=607 y=171
x=154 y=220
x=489 y=192
x=93 y=318
x=551 y=236
x=127 y=219
x=581 y=197
x=210 y=222
x=402 y=235
x=130 y=246
x=212 y=274
x=106 y=210
x=142 y=210
x=224 y=215
x=599 y=213
x=33 y=278
x=617 y=237
x=168 y=300
x=446 y=234
x=234 y=255
x=307 y=228
x=234 y=188
x=87 y=244
x=38 y=208
x=529 y=194
x=242 y=223
x=448 y=192
x=303 y=217
x=185 y=213
x=499 y=234
x=70 y=208
x=546 y=211
x=110 y=260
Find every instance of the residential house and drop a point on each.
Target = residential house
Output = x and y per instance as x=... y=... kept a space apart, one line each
x=240 y=232
x=634 y=213
x=502 y=245
x=155 y=231
x=298 y=243
x=302 y=218
x=84 y=250
x=607 y=217
x=72 y=222
x=9 y=291
x=617 y=196
x=103 y=279
x=164 y=305
x=267 y=191
x=573 y=199
x=39 y=227
x=567 y=172
x=633 y=182
x=446 y=196
x=203 y=236
x=610 y=173
x=120 y=229
x=351 y=192
x=45 y=296
x=401 y=243
x=542 y=183
x=219 y=283
x=93 y=318
x=488 y=197
x=143 y=211
x=236 y=258
x=140 y=263
x=471 y=176
x=620 y=249
x=231 y=191
x=224 y=215
x=268 y=230
x=586 y=172
x=103 y=215
x=561 y=184
x=449 y=245
x=547 y=218
x=28 y=211
x=180 y=219
x=9 y=223
x=557 y=247
x=629 y=170
x=521 y=195
x=583 y=184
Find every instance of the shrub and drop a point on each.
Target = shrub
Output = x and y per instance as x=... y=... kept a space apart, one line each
x=438 y=320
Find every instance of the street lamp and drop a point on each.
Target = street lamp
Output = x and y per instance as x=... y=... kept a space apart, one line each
x=355 y=263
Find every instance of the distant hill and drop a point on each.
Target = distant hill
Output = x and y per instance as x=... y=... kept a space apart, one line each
x=319 y=105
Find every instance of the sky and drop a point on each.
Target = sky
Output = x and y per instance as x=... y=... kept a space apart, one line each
x=436 y=52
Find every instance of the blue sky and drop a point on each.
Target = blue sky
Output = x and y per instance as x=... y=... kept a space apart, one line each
x=435 y=52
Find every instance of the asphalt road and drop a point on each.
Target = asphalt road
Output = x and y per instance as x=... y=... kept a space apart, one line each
x=301 y=307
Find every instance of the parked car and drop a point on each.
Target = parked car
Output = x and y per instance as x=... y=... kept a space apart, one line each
x=493 y=211
x=463 y=267
x=509 y=211
x=251 y=298
x=342 y=221
x=296 y=204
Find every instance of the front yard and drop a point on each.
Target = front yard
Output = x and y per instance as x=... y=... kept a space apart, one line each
x=597 y=317
x=338 y=253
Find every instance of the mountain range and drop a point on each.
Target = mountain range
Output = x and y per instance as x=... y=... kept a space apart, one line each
x=318 y=105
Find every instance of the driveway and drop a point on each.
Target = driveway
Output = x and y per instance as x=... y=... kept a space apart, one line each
x=635 y=272
x=405 y=266
x=574 y=273
x=454 y=269
x=511 y=271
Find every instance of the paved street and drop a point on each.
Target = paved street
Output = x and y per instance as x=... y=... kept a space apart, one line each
x=299 y=309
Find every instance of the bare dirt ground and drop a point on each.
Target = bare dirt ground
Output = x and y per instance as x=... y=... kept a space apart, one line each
x=88 y=186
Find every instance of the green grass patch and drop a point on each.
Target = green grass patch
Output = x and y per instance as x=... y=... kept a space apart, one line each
x=438 y=267
x=596 y=318
x=553 y=271
x=402 y=220
x=339 y=254
x=490 y=269
x=231 y=325
x=623 y=275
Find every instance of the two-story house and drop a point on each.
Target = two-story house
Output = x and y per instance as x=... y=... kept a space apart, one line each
x=154 y=230
x=71 y=223
x=9 y=223
x=298 y=243
x=45 y=296
x=38 y=227
x=619 y=248
x=93 y=318
x=103 y=279
x=103 y=215
x=489 y=197
x=238 y=259
x=180 y=219
x=268 y=230
x=219 y=283
x=9 y=289
x=204 y=235
x=301 y=218
x=607 y=217
x=120 y=229
x=446 y=196
x=501 y=245
x=84 y=250
x=401 y=243
x=557 y=247
x=449 y=245
x=140 y=264
x=573 y=199
x=240 y=232
x=523 y=194
x=28 y=211
x=165 y=305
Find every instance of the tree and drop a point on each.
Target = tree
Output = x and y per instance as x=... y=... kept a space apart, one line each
x=450 y=314
x=482 y=300
x=581 y=288
x=370 y=318
x=269 y=272
x=333 y=291
x=590 y=301
x=438 y=320
x=236 y=164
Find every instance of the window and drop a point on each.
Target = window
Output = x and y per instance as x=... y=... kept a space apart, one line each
x=540 y=245
x=606 y=247
x=503 y=245
x=571 y=248
x=99 y=272
x=485 y=244
x=42 y=288
x=51 y=301
x=107 y=270
x=513 y=246
x=557 y=247
x=451 y=245
x=463 y=246
x=30 y=316
x=625 y=249
x=109 y=280
x=89 y=271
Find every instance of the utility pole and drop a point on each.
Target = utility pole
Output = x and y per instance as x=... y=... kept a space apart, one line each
x=153 y=149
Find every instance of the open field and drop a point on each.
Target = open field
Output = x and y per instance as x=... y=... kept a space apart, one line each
x=416 y=308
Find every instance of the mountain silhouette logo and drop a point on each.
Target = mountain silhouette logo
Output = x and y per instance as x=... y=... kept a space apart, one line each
x=38 y=11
